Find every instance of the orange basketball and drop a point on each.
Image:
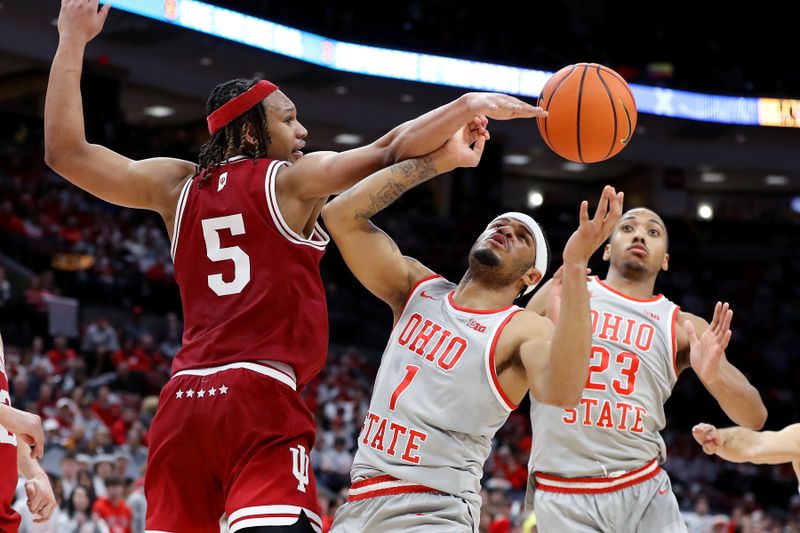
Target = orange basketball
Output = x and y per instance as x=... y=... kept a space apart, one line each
x=592 y=113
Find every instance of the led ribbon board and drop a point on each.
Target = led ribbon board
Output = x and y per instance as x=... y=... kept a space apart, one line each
x=385 y=62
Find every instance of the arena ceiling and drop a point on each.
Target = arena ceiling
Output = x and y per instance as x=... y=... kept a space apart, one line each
x=159 y=64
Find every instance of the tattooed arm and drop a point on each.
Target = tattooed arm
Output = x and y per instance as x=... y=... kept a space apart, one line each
x=371 y=254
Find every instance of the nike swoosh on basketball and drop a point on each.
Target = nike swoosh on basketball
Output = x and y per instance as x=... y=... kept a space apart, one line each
x=428 y=296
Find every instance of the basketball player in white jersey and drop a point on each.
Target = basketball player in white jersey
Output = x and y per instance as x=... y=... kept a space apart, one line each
x=743 y=445
x=460 y=357
x=595 y=467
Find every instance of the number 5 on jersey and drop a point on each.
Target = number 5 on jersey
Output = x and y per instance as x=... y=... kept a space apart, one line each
x=241 y=261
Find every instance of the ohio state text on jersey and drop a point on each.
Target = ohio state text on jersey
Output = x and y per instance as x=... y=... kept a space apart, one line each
x=615 y=427
x=437 y=402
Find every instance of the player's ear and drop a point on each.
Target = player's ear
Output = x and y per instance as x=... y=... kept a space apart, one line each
x=532 y=277
x=665 y=263
x=607 y=252
x=248 y=134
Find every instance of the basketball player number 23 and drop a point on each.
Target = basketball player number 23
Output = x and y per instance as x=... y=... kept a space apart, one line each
x=241 y=261
x=628 y=366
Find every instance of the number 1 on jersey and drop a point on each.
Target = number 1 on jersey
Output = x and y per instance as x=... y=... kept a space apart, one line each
x=411 y=372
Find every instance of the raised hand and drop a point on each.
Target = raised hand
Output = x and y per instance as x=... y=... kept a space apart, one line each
x=592 y=233
x=706 y=352
x=80 y=19
x=465 y=147
x=502 y=106
x=708 y=437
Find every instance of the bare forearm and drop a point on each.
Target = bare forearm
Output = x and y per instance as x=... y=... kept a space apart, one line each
x=27 y=465
x=64 y=126
x=429 y=131
x=738 y=443
x=738 y=398
x=368 y=197
x=572 y=340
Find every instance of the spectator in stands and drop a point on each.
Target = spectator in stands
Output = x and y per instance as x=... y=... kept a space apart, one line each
x=78 y=516
x=113 y=508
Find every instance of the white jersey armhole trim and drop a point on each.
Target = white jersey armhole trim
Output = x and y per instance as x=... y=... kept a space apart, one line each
x=674 y=337
x=489 y=366
x=182 y=198
x=318 y=238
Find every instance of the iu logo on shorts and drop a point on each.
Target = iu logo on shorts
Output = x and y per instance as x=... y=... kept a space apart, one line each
x=300 y=463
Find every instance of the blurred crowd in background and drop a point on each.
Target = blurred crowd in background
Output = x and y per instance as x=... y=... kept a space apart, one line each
x=66 y=257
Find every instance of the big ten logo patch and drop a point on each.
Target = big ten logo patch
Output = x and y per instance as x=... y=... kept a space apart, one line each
x=477 y=326
x=300 y=463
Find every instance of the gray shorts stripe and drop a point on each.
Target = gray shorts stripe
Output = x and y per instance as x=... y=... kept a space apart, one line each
x=647 y=507
x=409 y=513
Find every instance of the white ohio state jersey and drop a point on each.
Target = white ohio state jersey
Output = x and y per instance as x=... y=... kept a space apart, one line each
x=436 y=404
x=615 y=427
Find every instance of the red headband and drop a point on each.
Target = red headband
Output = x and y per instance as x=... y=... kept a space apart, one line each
x=236 y=107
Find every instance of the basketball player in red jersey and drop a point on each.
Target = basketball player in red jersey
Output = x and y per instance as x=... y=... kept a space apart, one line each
x=19 y=430
x=232 y=436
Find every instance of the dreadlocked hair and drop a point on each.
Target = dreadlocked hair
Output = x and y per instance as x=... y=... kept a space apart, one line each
x=230 y=140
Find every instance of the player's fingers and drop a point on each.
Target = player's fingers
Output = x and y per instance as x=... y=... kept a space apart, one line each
x=49 y=510
x=477 y=148
x=602 y=204
x=725 y=340
x=584 y=213
x=690 y=331
x=715 y=318
x=30 y=491
x=726 y=319
x=614 y=213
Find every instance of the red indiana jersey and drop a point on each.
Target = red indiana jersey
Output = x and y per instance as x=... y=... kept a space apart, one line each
x=250 y=285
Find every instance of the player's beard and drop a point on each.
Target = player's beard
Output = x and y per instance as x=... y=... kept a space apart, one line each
x=486 y=267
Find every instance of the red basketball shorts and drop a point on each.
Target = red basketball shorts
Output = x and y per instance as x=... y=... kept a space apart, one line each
x=232 y=440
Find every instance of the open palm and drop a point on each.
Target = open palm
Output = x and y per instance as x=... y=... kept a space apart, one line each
x=706 y=352
x=592 y=233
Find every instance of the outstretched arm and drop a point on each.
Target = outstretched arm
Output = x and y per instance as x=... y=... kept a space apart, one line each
x=370 y=253
x=735 y=395
x=742 y=445
x=150 y=184
x=324 y=173
x=558 y=377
